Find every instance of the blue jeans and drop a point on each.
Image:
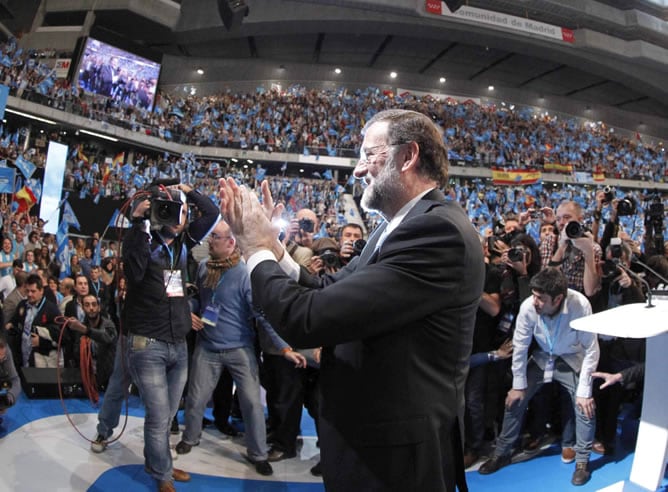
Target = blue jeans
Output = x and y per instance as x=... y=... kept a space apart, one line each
x=159 y=369
x=512 y=418
x=117 y=389
x=205 y=372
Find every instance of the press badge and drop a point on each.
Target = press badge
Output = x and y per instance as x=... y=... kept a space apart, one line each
x=549 y=370
x=173 y=283
x=210 y=315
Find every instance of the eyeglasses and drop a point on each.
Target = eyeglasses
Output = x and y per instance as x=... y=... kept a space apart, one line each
x=215 y=236
x=370 y=154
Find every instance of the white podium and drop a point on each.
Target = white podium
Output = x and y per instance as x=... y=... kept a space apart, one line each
x=638 y=321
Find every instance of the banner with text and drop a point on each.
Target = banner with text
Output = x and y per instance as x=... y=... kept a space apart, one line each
x=502 y=21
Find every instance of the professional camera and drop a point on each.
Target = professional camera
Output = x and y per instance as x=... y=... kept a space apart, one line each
x=626 y=206
x=166 y=204
x=654 y=214
x=610 y=269
x=329 y=258
x=358 y=246
x=165 y=207
x=574 y=230
x=306 y=225
x=609 y=192
x=516 y=254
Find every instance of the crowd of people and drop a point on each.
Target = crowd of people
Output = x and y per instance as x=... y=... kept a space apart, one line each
x=546 y=253
x=328 y=122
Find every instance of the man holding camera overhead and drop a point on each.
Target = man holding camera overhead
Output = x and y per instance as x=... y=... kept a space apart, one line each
x=157 y=314
x=577 y=254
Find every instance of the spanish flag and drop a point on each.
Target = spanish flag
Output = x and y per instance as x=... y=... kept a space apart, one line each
x=118 y=160
x=25 y=199
x=558 y=167
x=82 y=156
x=598 y=174
x=515 y=177
x=106 y=174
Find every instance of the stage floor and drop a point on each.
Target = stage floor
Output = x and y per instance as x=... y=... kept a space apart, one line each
x=42 y=451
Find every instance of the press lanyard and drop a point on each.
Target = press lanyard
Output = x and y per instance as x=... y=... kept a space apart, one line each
x=215 y=291
x=550 y=340
x=172 y=266
x=96 y=286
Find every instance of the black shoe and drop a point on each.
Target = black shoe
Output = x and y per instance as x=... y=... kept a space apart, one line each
x=206 y=422
x=494 y=464
x=581 y=474
x=183 y=447
x=316 y=471
x=174 y=429
x=227 y=429
x=262 y=467
x=278 y=455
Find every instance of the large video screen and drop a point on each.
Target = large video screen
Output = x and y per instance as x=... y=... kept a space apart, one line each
x=112 y=72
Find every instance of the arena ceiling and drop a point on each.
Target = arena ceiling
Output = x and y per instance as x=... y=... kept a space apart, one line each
x=368 y=43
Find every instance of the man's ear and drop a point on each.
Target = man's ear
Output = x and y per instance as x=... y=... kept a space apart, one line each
x=411 y=156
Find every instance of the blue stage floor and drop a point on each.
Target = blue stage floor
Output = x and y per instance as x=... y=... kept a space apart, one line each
x=42 y=451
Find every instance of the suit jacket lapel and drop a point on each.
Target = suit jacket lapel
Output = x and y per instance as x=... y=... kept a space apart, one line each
x=370 y=251
x=370 y=247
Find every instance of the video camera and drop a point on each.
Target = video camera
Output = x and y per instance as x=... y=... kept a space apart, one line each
x=166 y=204
x=654 y=214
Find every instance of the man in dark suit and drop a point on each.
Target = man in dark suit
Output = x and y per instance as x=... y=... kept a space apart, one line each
x=395 y=324
x=33 y=331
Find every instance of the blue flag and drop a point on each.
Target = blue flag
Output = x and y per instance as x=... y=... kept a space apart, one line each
x=25 y=166
x=69 y=216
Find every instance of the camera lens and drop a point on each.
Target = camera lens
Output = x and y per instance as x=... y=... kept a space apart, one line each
x=574 y=230
x=358 y=246
x=516 y=254
x=163 y=211
x=306 y=225
x=626 y=207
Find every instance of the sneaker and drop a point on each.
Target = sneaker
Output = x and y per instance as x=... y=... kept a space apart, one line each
x=494 y=464
x=99 y=444
x=581 y=474
x=568 y=455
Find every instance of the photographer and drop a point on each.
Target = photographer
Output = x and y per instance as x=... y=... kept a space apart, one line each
x=300 y=236
x=156 y=313
x=10 y=384
x=351 y=241
x=577 y=253
x=326 y=257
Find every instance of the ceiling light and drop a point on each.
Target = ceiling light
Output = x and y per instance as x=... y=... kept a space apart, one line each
x=99 y=135
x=26 y=115
x=200 y=71
x=337 y=70
x=490 y=88
x=442 y=80
x=393 y=75
x=249 y=161
x=301 y=170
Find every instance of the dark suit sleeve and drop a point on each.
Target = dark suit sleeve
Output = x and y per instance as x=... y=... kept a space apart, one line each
x=417 y=273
